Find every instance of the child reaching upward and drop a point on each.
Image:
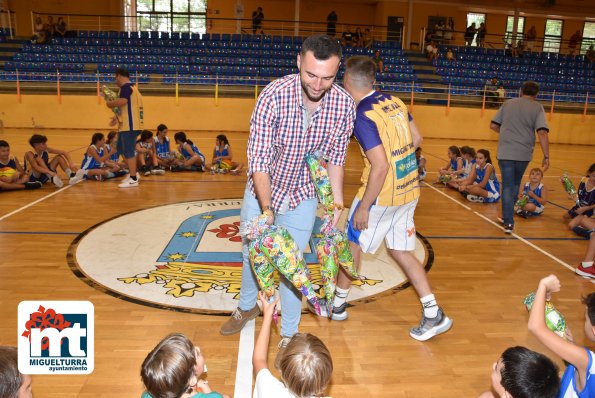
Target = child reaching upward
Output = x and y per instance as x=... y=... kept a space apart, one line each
x=536 y=194
x=306 y=365
x=193 y=159
x=173 y=370
x=222 y=157
x=482 y=184
x=578 y=380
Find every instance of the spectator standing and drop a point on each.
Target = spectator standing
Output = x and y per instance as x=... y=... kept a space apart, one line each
x=574 y=41
x=470 y=34
x=331 y=24
x=347 y=37
x=530 y=37
x=481 y=34
x=517 y=121
x=257 y=18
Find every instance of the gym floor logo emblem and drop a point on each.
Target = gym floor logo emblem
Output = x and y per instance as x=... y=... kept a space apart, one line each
x=56 y=337
x=188 y=257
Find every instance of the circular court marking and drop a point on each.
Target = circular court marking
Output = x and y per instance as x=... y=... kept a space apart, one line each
x=188 y=257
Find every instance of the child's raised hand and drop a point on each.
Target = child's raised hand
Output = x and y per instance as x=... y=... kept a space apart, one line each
x=203 y=386
x=268 y=307
x=551 y=283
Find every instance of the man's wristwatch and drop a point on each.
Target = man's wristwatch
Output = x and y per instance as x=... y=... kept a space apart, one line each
x=268 y=211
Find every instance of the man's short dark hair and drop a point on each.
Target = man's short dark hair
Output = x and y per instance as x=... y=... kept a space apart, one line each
x=122 y=72
x=529 y=374
x=322 y=46
x=37 y=139
x=4 y=144
x=530 y=88
x=361 y=68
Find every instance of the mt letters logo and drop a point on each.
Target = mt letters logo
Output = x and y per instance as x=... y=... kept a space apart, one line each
x=56 y=337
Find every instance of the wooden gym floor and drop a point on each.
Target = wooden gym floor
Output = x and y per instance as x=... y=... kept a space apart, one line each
x=479 y=276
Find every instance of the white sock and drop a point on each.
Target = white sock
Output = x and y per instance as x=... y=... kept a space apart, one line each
x=340 y=296
x=430 y=306
x=587 y=264
x=68 y=172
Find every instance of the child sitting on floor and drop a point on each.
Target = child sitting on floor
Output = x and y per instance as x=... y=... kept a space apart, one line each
x=535 y=193
x=482 y=184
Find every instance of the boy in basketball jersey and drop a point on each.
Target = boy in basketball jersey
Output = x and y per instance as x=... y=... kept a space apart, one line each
x=384 y=206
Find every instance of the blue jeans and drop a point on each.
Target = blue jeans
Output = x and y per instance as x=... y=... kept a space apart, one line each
x=299 y=223
x=512 y=174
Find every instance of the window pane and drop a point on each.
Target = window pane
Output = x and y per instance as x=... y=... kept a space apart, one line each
x=181 y=24
x=553 y=27
x=588 y=37
x=198 y=5
x=551 y=44
x=520 y=28
x=162 y=5
x=180 y=6
x=144 y=5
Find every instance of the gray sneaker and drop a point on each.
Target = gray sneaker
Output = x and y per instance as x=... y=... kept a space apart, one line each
x=430 y=327
x=238 y=320
x=282 y=344
x=337 y=314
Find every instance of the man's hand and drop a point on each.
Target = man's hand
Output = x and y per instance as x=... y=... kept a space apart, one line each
x=545 y=164
x=360 y=218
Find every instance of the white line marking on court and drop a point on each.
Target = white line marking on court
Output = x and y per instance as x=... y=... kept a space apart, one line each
x=525 y=241
x=243 y=387
x=34 y=203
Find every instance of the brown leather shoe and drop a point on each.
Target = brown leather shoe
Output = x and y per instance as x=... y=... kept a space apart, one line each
x=238 y=320
x=282 y=344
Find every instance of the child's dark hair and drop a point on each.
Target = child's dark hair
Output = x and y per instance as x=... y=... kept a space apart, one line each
x=10 y=377
x=306 y=366
x=96 y=138
x=37 y=139
x=467 y=150
x=161 y=127
x=169 y=366
x=591 y=169
x=222 y=138
x=537 y=170
x=418 y=149
x=529 y=374
x=181 y=136
x=4 y=144
x=145 y=135
x=455 y=149
x=486 y=154
x=111 y=135
x=589 y=301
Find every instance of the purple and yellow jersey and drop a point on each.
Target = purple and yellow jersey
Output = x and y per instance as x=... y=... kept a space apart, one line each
x=384 y=120
x=132 y=112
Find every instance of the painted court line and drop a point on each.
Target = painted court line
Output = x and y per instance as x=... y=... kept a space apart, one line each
x=571 y=268
x=243 y=387
x=34 y=203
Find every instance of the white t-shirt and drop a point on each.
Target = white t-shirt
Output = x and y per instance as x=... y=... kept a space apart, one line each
x=268 y=386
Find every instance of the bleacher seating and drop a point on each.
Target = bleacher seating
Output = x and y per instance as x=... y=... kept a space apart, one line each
x=231 y=58
x=473 y=66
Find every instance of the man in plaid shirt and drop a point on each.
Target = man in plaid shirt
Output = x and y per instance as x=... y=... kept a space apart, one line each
x=295 y=115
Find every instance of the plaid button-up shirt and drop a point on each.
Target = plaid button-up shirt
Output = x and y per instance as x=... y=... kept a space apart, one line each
x=279 y=138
